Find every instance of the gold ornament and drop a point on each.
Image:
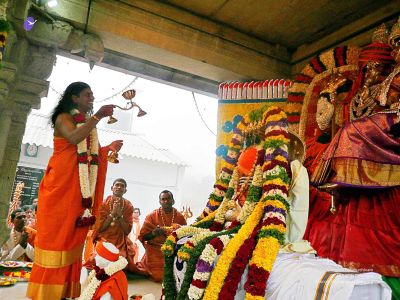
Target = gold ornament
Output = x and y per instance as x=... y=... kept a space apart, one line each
x=394 y=37
x=380 y=34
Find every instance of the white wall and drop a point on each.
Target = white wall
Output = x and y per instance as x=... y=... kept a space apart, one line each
x=145 y=178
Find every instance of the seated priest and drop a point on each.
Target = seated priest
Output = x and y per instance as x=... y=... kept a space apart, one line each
x=114 y=223
x=20 y=245
x=156 y=227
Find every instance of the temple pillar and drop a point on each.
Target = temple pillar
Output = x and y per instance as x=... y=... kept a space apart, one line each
x=25 y=67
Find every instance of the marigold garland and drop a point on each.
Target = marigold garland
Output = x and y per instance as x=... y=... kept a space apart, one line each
x=168 y=278
x=205 y=265
x=264 y=220
x=219 y=274
x=272 y=233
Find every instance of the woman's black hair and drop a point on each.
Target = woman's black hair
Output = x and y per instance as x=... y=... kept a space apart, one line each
x=66 y=104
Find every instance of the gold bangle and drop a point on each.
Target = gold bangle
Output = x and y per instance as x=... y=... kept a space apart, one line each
x=96 y=118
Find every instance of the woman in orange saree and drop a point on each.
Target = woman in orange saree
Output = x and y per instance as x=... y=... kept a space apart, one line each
x=69 y=194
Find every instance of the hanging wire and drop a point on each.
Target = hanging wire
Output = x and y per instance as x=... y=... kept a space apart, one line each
x=201 y=117
x=108 y=98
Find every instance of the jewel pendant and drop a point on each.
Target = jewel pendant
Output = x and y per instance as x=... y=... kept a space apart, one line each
x=112 y=223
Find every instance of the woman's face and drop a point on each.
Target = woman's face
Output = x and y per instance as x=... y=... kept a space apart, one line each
x=84 y=100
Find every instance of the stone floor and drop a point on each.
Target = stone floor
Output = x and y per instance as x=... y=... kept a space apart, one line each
x=136 y=286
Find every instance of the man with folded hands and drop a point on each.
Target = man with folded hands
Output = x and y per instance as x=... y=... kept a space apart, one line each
x=20 y=245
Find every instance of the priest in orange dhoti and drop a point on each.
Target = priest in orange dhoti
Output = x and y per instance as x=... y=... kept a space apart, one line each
x=114 y=222
x=154 y=232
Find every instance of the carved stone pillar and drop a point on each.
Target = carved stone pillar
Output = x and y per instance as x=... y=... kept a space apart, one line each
x=25 y=68
x=28 y=62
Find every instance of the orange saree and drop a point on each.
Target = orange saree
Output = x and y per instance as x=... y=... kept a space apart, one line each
x=59 y=243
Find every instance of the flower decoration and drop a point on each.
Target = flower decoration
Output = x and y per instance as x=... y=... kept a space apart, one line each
x=98 y=275
x=88 y=151
x=254 y=239
x=205 y=265
x=263 y=230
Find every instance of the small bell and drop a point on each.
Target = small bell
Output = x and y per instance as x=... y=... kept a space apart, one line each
x=111 y=120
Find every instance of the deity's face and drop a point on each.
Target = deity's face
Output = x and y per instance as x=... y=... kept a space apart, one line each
x=372 y=71
x=325 y=111
x=84 y=100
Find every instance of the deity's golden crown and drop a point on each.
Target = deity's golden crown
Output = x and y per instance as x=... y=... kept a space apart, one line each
x=394 y=33
x=380 y=34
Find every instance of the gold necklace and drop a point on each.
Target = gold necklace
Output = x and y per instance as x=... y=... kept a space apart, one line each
x=162 y=217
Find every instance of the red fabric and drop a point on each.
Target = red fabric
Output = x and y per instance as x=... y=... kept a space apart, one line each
x=364 y=233
x=246 y=160
x=116 y=285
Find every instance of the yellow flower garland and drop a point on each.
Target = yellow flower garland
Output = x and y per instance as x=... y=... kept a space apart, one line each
x=218 y=275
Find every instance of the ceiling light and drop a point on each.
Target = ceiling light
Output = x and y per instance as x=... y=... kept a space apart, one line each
x=52 y=3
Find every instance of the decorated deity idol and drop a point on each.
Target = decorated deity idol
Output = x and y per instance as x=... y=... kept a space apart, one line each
x=360 y=168
x=375 y=63
x=390 y=88
x=251 y=245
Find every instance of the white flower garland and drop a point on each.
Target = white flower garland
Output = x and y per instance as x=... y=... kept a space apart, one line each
x=249 y=206
x=223 y=208
x=94 y=283
x=208 y=255
x=189 y=231
x=87 y=177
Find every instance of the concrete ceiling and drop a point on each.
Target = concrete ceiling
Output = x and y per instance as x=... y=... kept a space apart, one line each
x=198 y=43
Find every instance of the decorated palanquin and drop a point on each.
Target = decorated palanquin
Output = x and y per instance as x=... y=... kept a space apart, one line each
x=238 y=98
x=251 y=232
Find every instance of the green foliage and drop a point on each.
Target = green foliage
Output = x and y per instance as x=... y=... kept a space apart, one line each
x=279 y=198
x=5 y=26
x=256 y=115
x=254 y=193
x=274 y=233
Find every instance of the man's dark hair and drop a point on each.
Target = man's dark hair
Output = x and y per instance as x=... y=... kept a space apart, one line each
x=121 y=180
x=14 y=213
x=66 y=104
x=137 y=209
x=167 y=192
x=26 y=207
